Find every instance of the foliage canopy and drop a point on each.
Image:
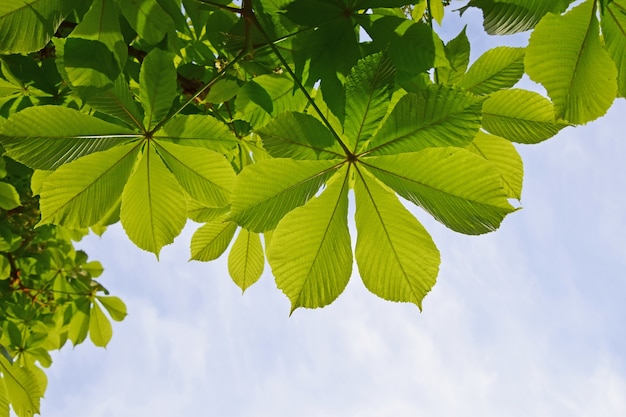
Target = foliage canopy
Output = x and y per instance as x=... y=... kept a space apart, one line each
x=259 y=119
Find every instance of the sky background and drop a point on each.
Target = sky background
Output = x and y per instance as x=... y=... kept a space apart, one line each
x=526 y=321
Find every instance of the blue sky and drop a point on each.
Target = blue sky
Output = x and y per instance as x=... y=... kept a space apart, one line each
x=526 y=321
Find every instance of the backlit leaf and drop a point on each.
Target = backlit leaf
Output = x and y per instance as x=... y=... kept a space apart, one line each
x=211 y=240
x=81 y=193
x=496 y=69
x=27 y=25
x=614 y=31
x=35 y=137
x=158 y=85
x=299 y=136
x=100 y=330
x=458 y=53
x=118 y=102
x=520 y=116
x=581 y=78
x=503 y=155
x=368 y=91
x=460 y=189
x=204 y=174
x=22 y=387
x=310 y=251
x=198 y=131
x=246 y=259
x=153 y=206
x=114 y=306
x=264 y=192
x=396 y=256
x=439 y=116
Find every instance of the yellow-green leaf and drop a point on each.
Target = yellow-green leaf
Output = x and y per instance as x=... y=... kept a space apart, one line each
x=246 y=260
x=100 y=330
x=211 y=240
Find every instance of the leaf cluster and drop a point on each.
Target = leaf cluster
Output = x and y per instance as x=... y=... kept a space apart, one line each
x=266 y=119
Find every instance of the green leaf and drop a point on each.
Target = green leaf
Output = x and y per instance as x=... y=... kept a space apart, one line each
x=505 y=17
x=27 y=25
x=246 y=260
x=503 y=155
x=498 y=68
x=147 y=18
x=458 y=54
x=205 y=175
x=158 y=86
x=265 y=97
x=211 y=240
x=581 y=79
x=310 y=252
x=396 y=256
x=436 y=10
x=5 y=267
x=82 y=192
x=114 y=306
x=119 y=103
x=520 y=116
x=202 y=214
x=368 y=91
x=439 y=116
x=35 y=137
x=4 y=399
x=264 y=192
x=9 y=198
x=153 y=208
x=299 y=136
x=100 y=330
x=23 y=390
x=95 y=52
x=460 y=189
x=198 y=131
x=614 y=31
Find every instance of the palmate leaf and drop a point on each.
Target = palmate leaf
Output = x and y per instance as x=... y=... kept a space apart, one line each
x=153 y=208
x=438 y=116
x=198 y=131
x=460 y=189
x=496 y=69
x=246 y=259
x=114 y=306
x=614 y=31
x=396 y=256
x=368 y=91
x=27 y=25
x=503 y=155
x=204 y=174
x=264 y=192
x=310 y=251
x=211 y=240
x=81 y=193
x=158 y=86
x=520 y=116
x=581 y=79
x=22 y=388
x=36 y=138
x=265 y=97
x=299 y=136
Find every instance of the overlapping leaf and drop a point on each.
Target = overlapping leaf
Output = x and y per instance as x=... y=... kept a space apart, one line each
x=581 y=79
x=158 y=80
x=310 y=251
x=212 y=239
x=614 y=31
x=520 y=116
x=496 y=69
